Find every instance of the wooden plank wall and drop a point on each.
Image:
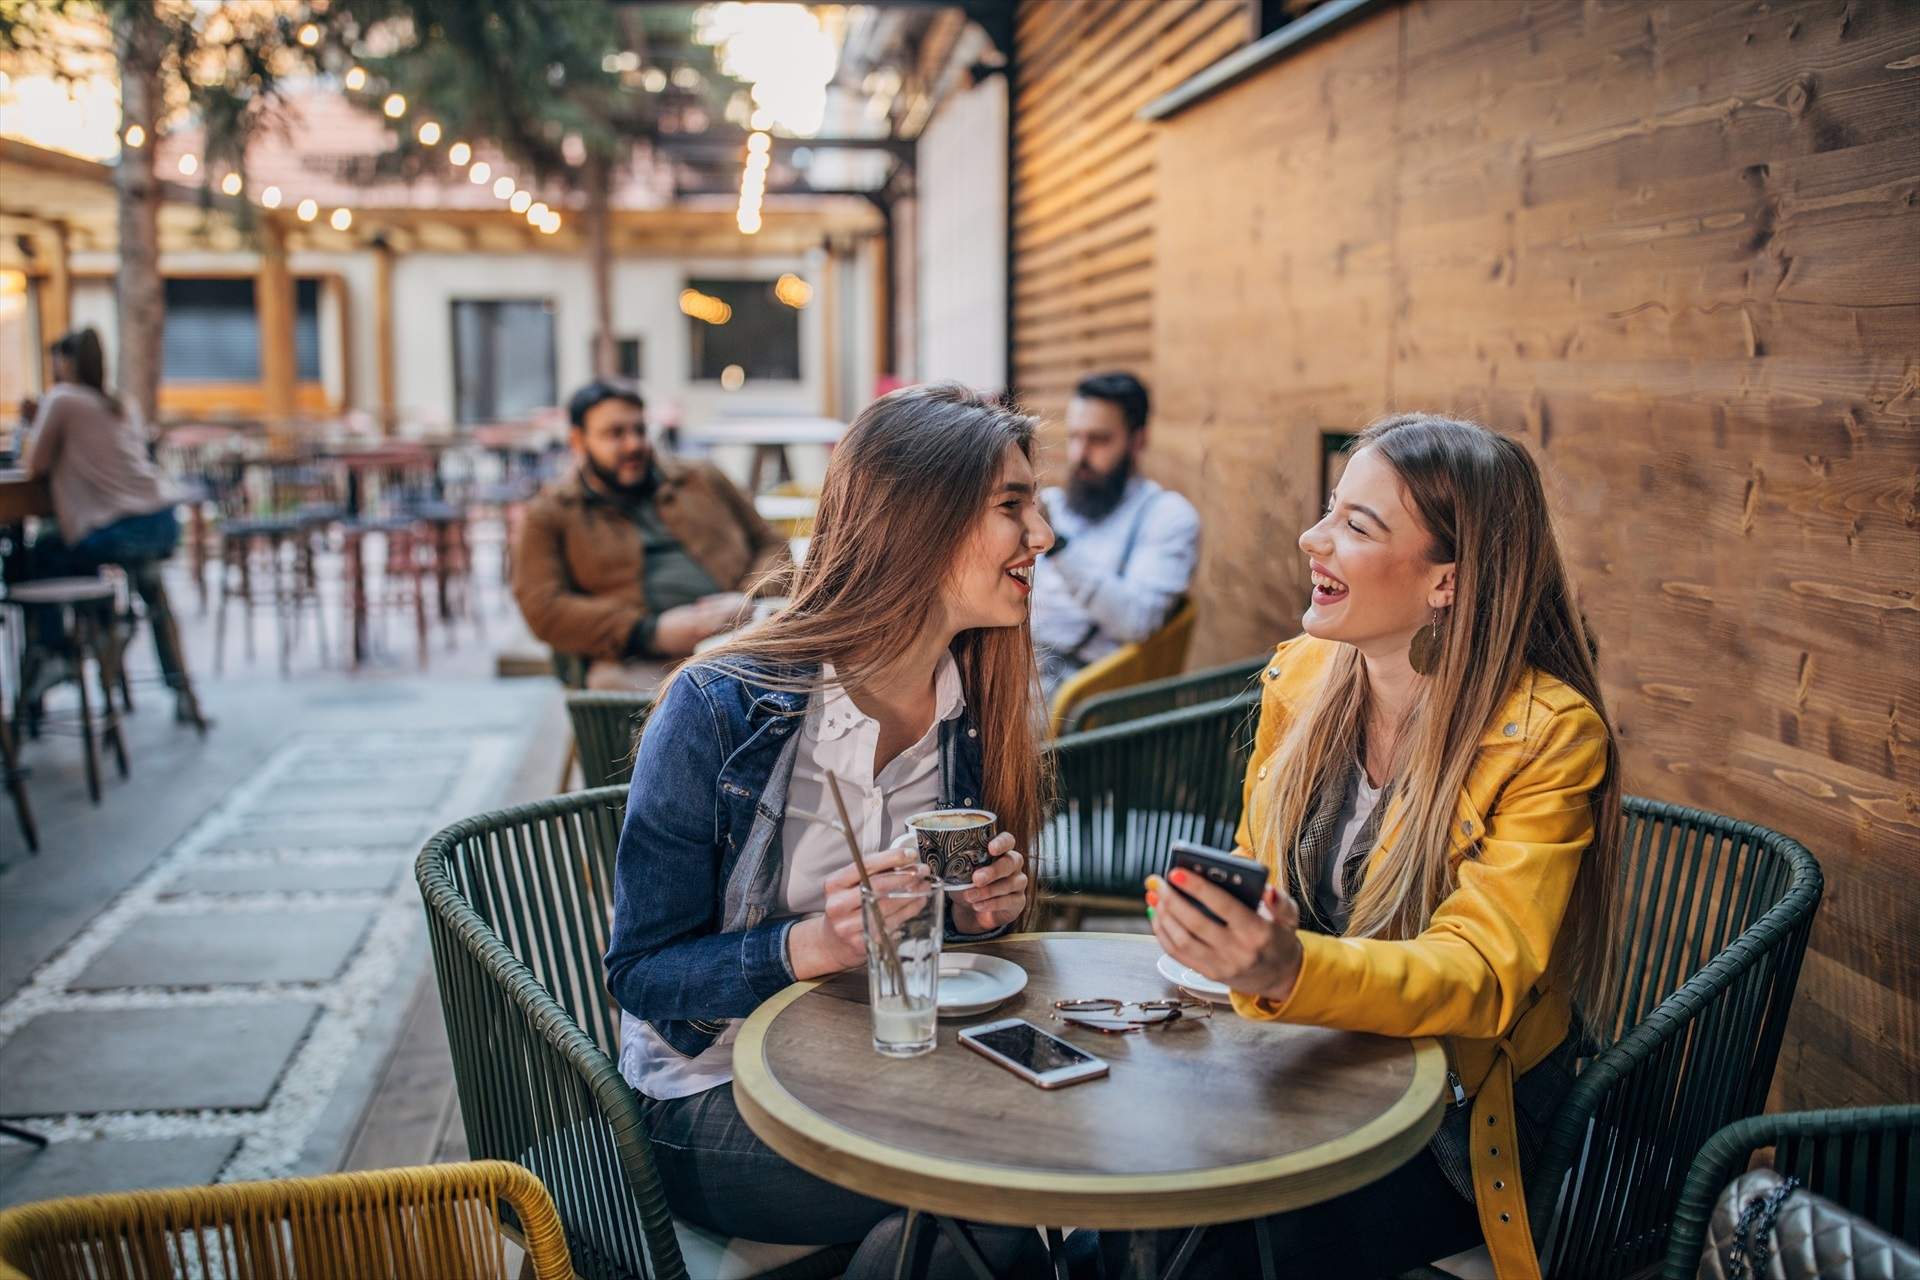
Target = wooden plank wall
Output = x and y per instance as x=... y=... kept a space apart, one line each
x=1083 y=176
x=1676 y=248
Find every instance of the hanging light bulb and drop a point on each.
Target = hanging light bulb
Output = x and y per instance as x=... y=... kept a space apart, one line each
x=395 y=106
x=136 y=136
x=306 y=210
x=538 y=212
x=459 y=153
x=309 y=35
x=758 y=143
x=356 y=79
x=479 y=174
x=189 y=164
x=429 y=133
x=341 y=219
x=270 y=197
x=552 y=222
x=521 y=200
x=503 y=186
x=231 y=184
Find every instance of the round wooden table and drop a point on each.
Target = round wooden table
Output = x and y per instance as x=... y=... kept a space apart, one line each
x=1203 y=1121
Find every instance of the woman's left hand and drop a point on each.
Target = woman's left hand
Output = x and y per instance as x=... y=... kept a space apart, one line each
x=999 y=892
x=1255 y=952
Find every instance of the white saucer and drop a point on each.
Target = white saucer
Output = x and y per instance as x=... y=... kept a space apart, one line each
x=1181 y=976
x=972 y=983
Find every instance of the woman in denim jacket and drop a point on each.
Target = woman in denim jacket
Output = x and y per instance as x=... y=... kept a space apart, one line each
x=903 y=665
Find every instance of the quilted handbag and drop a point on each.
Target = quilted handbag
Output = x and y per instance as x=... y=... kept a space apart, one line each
x=1766 y=1228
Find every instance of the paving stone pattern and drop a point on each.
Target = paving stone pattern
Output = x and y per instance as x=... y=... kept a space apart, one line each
x=199 y=1025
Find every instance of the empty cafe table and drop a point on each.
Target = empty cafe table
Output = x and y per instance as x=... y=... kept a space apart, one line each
x=1200 y=1122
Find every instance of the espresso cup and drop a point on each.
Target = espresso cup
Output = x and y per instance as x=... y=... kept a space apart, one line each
x=953 y=843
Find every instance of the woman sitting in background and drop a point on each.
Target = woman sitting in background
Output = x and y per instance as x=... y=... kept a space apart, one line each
x=113 y=504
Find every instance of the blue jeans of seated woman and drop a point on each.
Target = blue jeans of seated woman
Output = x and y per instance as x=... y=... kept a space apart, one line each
x=719 y=1175
x=137 y=544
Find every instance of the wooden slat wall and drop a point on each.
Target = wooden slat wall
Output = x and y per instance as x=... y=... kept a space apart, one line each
x=1083 y=175
x=1676 y=248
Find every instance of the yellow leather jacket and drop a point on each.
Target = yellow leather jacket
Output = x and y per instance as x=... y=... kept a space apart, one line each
x=1481 y=975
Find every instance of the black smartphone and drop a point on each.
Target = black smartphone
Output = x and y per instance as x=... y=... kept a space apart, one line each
x=1244 y=878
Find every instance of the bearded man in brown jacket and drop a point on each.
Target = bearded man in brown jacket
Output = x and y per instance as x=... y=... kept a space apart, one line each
x=633 y=558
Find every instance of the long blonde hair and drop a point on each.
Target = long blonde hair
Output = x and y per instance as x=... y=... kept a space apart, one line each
x=904 y=491
x=1479 y=496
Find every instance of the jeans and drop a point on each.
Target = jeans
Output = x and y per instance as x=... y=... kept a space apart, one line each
x=138 y=544
x=720 y=1176
x=1407 y=1219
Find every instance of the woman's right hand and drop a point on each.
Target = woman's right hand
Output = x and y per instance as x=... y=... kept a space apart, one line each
x=836 y=939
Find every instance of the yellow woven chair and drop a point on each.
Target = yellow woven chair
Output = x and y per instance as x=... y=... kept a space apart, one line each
x=1163 y=653
x=436 y=1222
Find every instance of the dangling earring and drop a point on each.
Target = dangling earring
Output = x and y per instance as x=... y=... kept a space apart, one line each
x=1423 y=655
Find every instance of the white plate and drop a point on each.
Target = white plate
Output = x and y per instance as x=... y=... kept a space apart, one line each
x=1181 y=976
x=972 y=983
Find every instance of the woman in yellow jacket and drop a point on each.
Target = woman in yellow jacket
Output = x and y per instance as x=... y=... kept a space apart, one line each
x=1434 y=784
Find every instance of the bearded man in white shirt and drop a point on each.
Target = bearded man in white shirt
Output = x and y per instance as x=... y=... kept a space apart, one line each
x=1125 y=546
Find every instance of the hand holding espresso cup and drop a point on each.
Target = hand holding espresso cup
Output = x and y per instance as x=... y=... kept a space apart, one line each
x=998 y=892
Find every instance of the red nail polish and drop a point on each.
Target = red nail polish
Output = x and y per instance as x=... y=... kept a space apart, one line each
x=1177 y=875
x=1153 y=899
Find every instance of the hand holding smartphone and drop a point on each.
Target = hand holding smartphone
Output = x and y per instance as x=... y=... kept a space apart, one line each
x=1244 y=878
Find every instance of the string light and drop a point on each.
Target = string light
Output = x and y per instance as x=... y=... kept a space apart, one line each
x=538 y=212
x=309 y=35
x=759 y=144
x=189 y=164
x=270 y=197
x=704 y=306
x=502 y=186
x=341 y=219
x=732 y=378
x=459 y=153
x=479 y=174
x=356 y=79
x=520 y=201
x=429 y=133
x=793 y=291
x=306 y=210
x=551 y=224
x=395 y=106
x=231 y=184
x=136 y=136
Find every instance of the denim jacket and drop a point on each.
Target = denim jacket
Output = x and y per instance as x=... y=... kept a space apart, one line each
x=699 y=866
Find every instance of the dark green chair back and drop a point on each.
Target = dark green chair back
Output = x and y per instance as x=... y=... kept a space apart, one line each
x=1124 y=793
x=1713 y=925
x=606 y=729
x=1170 y=694
x=518 y=904
x=1866 y=1160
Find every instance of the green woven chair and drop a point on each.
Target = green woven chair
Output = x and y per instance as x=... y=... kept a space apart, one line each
x=1170 y=694
x=1866 y=1160
x=1124 y=793
x=605 y=728
x=519 y=903
x=1714 y=922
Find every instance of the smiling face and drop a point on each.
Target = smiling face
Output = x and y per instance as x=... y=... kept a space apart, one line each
x=1374 y=584
x=992 y=579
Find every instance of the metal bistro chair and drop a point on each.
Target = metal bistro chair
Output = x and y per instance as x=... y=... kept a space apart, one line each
x=1161 y=654
x=1713 y=925
x=1866 y=1160
x=1170 y=694
x=519 y=903
x=1127 y=791
x=404 y=1224
x=606 y=727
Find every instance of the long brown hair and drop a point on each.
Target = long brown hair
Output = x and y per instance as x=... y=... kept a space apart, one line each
x=906 y=487
x=82 y=349
x=1478 y=494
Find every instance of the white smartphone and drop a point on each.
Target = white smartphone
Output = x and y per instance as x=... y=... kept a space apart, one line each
x=1032 y=1054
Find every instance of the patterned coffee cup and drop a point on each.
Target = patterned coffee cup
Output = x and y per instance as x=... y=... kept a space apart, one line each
x=953 y=842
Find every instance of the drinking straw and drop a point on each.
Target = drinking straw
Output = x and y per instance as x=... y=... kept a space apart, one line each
x=879 y=920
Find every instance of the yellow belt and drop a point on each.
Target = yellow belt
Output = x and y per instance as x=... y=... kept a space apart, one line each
x=1494 y=1147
